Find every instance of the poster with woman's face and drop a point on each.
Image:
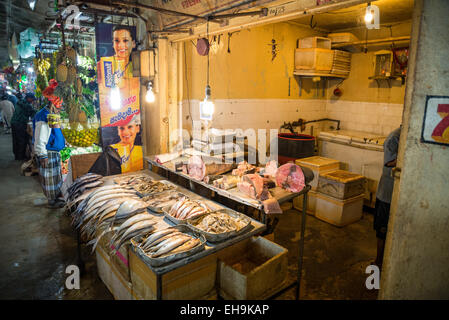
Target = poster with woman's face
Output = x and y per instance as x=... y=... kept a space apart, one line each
x=119 y=94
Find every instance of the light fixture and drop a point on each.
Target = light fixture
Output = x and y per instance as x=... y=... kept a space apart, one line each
x=150 y=97
x=30 y=69
x=207 y=107
x=32 y=4
x=9 y=93
x=368 y=14
x=115 y=99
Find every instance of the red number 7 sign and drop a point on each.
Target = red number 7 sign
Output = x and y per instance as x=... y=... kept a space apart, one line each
x=436 y=120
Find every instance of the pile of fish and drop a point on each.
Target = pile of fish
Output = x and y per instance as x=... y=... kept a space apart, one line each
x=104 y=209
x=81 y=188
x=219 y=222
x=135 y=179
x=167 y=242
x=185 y=208
x=152 y=187
x=160 y=200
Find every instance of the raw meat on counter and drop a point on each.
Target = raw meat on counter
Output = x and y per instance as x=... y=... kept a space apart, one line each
x=166 y=157
x=253 y=186
x=227 y=182
x=270 y=169
x=243 y=168
x=271 y=206
x=290 y=177
x=199 y=169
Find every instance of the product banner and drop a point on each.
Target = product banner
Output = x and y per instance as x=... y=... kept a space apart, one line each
x=119 y=94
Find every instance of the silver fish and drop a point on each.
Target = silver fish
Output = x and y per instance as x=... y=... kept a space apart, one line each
x=170 y=246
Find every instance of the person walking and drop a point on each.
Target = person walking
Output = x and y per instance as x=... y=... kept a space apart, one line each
x=385 y=193
x=20 y=138
x=48 y=141
x=7 y=110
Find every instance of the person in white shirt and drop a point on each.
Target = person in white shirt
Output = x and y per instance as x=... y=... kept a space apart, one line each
x=7 y=110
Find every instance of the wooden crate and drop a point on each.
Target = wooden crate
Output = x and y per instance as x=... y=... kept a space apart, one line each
x=341 y=37
x=119 y=259
x=81 y=163
x=311 y=203
x=314 y=59
x=242 y=278
x=112 y=278
x=195 y=280
x=315 y=42
x=318 y=165
x=339 y=212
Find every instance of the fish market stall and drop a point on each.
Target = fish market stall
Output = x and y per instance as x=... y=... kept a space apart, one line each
x=162 y=240
x=232 y=192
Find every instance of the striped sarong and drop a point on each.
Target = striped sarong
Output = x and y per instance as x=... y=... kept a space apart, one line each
x=51 y=177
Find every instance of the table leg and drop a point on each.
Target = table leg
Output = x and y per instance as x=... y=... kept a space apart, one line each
x=301 y=243
x=79 y=259
x=159 y=287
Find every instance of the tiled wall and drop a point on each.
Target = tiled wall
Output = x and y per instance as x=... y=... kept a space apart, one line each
x=256 y=113
x=378 y=118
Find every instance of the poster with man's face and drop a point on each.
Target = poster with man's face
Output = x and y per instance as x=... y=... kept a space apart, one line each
x=119 y=94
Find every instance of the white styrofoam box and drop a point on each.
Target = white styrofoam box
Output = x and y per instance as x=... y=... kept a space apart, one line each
x=318 y=165
x=339 y=212
x=311 y=202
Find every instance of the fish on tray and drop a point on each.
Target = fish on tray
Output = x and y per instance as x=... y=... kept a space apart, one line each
x=168 y=241
x=152 y=187
x=220 y=223
x=133 y=179
x=163 y=199
x=185 y=208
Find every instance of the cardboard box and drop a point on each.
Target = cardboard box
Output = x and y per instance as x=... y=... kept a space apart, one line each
x=253 y=269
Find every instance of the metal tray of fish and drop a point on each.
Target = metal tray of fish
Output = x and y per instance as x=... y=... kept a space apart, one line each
x=160 y=261
x=218 y=237
x=172 y=219
x=158 y=208
x=142 y=194
x=132 y=179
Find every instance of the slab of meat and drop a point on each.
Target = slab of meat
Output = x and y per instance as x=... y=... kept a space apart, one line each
x=243 y=168
x=271 y=206
x=290 y=177
x=227 y=182
x=199 y=169
x=252 y=185
x=270 y=169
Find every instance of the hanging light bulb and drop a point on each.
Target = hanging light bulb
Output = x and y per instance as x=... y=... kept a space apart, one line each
x=207 y=107
x=115 y=98
x=32 y=4
x=150 y=97
x=368 y=15
x=30 y=70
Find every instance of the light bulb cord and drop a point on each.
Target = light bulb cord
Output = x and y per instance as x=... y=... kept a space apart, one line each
x=207 y=35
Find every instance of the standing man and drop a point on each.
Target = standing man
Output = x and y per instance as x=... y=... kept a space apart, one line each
x=7 y=110
x=20 y=137
x=385 y=192
x=48 y=141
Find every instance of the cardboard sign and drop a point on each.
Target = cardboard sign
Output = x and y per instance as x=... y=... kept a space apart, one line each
x=436 y=120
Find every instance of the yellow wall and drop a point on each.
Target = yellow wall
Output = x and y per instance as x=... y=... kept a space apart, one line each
x=357 y=87
x=248 y=72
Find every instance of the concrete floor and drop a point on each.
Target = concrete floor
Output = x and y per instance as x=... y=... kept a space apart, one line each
x=37 y=244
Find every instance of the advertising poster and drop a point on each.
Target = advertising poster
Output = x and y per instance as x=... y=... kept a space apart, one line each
x=436 y=120
x=119 y=94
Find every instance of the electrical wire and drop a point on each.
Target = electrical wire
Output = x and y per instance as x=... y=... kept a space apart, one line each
x=187 y=82
x=207 y=35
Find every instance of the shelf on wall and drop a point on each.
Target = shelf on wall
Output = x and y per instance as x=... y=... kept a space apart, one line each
x=304 y=74
x=388 y=79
